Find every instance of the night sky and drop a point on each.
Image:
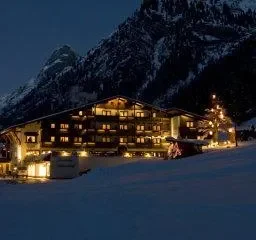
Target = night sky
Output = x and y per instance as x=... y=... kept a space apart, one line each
x=31 y=29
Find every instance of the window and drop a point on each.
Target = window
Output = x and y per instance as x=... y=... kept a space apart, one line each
x=64 y=126
x=154 y=115
x=106 y=126
x=31 y=139
x=123 y=140
x=78 y=139
x=78 y=126
x=64 y=139
x=52 y=139
x=140 y=114
x=123 y=127
x=156 y=128
x=106 y=113
x=140 y=140
x=123 y=113
x=80 y=113
x=156 y=140
x=190 y=124
x=52 y=125
x=140 y=127
x=105 y=139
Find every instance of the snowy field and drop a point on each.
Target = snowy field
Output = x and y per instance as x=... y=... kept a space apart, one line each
x=208 y=196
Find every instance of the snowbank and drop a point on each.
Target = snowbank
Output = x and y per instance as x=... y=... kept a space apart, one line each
x=207 y=196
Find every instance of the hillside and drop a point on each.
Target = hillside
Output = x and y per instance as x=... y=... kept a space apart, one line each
x=164 y=54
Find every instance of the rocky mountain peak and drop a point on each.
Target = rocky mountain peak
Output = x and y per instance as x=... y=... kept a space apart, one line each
x=165 y=53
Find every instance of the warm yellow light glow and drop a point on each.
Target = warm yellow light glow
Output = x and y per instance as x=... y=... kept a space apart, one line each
x=211 y=133
x=84 y=154
x=213 y=96
x=127 y=155
x=210 y=123
x=42 y=170
x=65 y=154
x=147 y=155
x=39 y=169
x=19 y=152
x=230 y=130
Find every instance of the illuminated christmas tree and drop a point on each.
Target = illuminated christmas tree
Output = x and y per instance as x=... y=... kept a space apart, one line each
x=217 y=120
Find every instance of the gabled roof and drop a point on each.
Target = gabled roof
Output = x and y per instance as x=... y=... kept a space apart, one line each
x=171 y=111
x=80 y=107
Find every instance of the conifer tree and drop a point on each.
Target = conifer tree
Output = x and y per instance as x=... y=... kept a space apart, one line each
x=217 y=120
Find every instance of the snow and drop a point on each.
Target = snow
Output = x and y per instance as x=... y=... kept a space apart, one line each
x=208 y=196
x=17 y=95
x=245 y=5
x=247 y=124
x=52 y=64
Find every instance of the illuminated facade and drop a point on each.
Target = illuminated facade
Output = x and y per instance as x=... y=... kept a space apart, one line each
x=118 y=125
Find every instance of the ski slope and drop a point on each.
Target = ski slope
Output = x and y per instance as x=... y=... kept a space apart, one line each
x=208 y=196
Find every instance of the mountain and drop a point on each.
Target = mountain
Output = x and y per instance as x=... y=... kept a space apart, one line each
x=166 y=53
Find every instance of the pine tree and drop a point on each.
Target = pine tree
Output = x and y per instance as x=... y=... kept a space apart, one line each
x=217 y=120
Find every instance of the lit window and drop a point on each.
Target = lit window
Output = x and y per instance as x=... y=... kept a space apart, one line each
x=156 y=140
x=156 y=128
x=78 y=139
x=31 y=139
x=154 y=115
x=105 y=139
x=123 y=113
x=123 y=127
x=64 y=139
x=64 y=126
x=106 y=126
x=78 y=126
x=52 y=125
x=140 y=114
x=80 y=113
x=123 y=140
x=106 y=113
x=190 y=124
x=52 y=139
x=140 y=127
x=140 y=140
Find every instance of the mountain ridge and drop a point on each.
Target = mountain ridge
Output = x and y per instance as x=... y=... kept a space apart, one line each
x=154 y=56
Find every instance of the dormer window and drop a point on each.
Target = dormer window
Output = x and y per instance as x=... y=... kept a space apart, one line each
x=53 y=125
x=154 y=115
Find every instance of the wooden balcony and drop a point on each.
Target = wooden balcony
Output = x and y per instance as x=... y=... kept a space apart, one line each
x=103 y=118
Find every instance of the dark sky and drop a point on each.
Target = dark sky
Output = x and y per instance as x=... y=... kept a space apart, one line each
x=31 y=29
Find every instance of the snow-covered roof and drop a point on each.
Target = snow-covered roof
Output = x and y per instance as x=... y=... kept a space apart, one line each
x=171 y=111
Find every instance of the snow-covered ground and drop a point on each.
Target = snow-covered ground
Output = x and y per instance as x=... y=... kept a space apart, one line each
x=247 y=124
x=208 y=196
